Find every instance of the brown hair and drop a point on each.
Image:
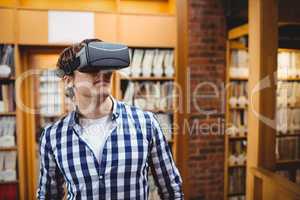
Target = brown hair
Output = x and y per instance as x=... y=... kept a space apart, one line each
x=67 y=56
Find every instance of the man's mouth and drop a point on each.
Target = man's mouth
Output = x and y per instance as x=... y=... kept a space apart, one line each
x=100 y=82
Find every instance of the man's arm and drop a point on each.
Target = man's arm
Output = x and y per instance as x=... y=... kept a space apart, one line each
x=163 y=168
x=51 y=180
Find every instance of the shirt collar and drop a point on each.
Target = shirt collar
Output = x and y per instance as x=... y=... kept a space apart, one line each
x=74 y=115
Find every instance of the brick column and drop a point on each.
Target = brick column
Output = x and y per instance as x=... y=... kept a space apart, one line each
x=207 y=52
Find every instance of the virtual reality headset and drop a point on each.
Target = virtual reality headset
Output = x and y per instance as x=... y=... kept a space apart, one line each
x=97 y=56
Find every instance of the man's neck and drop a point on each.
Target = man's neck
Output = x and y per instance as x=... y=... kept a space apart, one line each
x=93 y=107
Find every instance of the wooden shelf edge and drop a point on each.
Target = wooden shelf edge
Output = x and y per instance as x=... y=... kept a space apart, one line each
x=9 y=182
x=15 y=148
x=236 y=166
x=151 y=78
x=7 y=113
x=238 y=78
x=287 y=135
x=237 y=138
x=8 y=79
x=236 y=194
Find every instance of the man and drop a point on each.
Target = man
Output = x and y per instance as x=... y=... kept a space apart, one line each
x=103 y=149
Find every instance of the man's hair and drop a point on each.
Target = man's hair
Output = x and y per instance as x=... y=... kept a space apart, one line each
x=67 y=56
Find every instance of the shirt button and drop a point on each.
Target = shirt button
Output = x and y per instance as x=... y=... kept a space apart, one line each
x=101 y=177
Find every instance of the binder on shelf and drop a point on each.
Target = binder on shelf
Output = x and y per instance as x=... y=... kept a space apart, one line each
x=158 y=63
x=7 y=131
x=147 y=63
x=8 y=165
x=169 y=63
x=136 y=66
x=150 y=95
x=6 y=61
x=239 y=64
x=7 y=97
x=50 y=101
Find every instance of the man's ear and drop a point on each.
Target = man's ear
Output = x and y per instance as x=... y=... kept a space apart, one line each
x=68 y=80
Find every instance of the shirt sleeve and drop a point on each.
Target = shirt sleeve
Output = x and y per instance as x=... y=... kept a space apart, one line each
x=165 y=173
x=50 y=179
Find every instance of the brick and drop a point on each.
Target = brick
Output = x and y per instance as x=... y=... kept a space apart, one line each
x=207 y=54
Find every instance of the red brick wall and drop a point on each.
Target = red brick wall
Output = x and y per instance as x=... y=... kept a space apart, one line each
x=207 y=47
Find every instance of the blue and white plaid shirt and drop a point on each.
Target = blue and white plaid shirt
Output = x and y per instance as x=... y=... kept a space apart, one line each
x=135 y=144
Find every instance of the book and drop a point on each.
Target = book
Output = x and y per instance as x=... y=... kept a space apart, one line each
x=237 y=180
x=147 y=63
x=287 y=148
x=7 y=131
x=136 y=65
x=50 y=101
x=239 y=66
x=7 y=97
x=158 y=63
x=7 y=67
x=169 y=63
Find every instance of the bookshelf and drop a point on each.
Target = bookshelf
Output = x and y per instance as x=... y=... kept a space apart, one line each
x=126 y=25
x=149 y=84
x=9 y=158
x=124 y=22
x=287 y=137
x=236 y=123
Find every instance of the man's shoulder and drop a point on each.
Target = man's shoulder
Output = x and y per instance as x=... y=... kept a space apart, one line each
x=135 y=111
x=51 y=127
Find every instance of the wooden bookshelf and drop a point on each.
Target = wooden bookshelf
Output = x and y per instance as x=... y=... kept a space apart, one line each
x=229 y=139
x=287 y=165
x=11 y=111
x=118 y=92
x=122 y=19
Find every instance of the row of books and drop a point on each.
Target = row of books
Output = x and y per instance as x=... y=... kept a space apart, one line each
x=238 y=123
x=239 y=66
x=237 y=179
x=150 y=95
x=288 y=148
x=7 y=67
x=7 y=131
x=8 y=163
x=288 y=94
x=150 y=62
x=237 y=152
x=238 y=94
x=7 y=97
x=288 y=64
x=288 y=120
x=50 y=94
